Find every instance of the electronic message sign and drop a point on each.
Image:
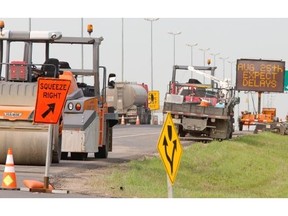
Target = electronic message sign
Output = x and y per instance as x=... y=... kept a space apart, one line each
x=260 y=75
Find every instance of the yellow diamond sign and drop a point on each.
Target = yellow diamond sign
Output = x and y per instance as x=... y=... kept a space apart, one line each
x=8 y=180
x=170 y=148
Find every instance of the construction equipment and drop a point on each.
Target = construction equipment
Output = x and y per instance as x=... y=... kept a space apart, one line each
x=283 y=127
x=267 y=121
x=267 y=116
x=201 y=112
x=130 y=100
x=85 y=125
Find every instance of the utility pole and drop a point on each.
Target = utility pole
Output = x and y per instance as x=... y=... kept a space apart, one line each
x=204 y=60
x=214 y=55
x=122 y=65
x=174 y=35
x=191 y=46
x=224 y=59
x=151 y=20
x=231 y=70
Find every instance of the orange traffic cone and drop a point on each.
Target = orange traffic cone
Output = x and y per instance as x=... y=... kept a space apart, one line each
x=137 y=120
x=9 y=176
x=122 y=120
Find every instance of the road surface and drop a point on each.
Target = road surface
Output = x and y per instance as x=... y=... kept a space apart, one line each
x=129 y=142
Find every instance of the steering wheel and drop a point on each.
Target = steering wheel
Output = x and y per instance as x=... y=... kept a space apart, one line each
x=35 y=71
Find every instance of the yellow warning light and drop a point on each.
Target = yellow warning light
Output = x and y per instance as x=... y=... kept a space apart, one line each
x=2 y=25
x=89 y=28
x=209 y=61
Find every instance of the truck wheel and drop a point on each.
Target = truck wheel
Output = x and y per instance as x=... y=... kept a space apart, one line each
x=240 y=126
x=79 y=155
x=181 y=132
x=64 y=155
x=102 y=152
x=146 y=119
x=56 y=153
x=230 y=130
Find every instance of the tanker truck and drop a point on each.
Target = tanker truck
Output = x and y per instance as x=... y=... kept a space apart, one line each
x=129 y=100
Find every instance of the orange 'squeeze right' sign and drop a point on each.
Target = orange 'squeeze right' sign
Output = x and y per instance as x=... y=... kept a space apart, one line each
x=51 y=97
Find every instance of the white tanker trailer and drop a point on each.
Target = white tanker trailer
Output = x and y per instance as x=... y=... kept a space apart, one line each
x=130 y=100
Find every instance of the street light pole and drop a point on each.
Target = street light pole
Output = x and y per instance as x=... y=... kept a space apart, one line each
x=231 y=62
x=204 y=62
x=223 y=65
x=151 y=20
x=29 y=24
x=82 y=51
x=174 y=34
x=214 y=64
x=214 y=55
x=122 y=65
x=191 y=46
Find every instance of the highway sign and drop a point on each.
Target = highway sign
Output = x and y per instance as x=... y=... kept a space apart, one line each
x=153 y=100
x=286 y=81
x=170 y=148
x=51 y=97
x=260 y=75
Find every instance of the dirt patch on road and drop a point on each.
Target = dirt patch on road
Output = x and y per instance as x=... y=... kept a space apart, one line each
x=91 y=182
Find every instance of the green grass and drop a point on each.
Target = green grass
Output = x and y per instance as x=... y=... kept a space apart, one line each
x=254 y=166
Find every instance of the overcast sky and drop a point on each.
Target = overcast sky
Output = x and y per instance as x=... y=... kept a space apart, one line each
x=235 y=38
x=224 y=26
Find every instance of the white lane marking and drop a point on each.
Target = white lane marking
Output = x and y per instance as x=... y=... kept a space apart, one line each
x=134 y=135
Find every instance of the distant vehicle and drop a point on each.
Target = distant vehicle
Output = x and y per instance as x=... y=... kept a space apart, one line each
x=130 y=100
x=199 y=111
x=268 y=115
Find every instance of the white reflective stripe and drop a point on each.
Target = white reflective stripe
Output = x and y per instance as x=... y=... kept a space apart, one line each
x=9 y=159
x=9 y=169
x=5 y=34
x=45 y=35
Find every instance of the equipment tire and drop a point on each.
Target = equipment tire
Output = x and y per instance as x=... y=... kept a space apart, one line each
x=64 y=155
x=79 y=155
x=240 y=126
x=181 y=132
x=56 y=154
x=102 y=152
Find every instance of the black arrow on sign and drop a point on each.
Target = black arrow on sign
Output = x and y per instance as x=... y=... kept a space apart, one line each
x=152 y=98
x=50 y=109
x=171 y=161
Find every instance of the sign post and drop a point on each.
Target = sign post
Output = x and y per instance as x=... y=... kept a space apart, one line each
x=170 y=150
x=286 y=81
x=48 y=156
x=51 y=97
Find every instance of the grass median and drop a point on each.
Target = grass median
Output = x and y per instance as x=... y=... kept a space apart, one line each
x=252 y=166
